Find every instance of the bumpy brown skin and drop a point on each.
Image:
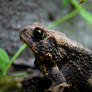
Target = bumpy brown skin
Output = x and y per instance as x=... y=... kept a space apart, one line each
x=61 y=59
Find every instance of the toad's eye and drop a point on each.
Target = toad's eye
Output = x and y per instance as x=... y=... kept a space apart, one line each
x=38 y=34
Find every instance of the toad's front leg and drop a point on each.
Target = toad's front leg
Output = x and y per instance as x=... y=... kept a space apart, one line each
x=51 y=70
x=57 y=78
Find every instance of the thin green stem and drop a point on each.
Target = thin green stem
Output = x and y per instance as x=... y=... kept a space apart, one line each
x=18 y=74
x=61 y=20
x=85 y=14
x=14 y=57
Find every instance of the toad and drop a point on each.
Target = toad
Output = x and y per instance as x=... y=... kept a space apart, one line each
x=63 y=60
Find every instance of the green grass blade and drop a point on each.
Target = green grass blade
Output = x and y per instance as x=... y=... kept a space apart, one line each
x=4 y=60
x=14 y=57
x=61 y=20
x=85 y=14
x=65 y=2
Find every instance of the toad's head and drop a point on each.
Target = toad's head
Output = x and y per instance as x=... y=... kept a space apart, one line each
x=39 y=39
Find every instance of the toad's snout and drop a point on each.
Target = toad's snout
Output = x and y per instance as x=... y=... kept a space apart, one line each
x=24 y=35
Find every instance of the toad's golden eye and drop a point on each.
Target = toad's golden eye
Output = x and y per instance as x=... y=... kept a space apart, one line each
x=38 y=34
